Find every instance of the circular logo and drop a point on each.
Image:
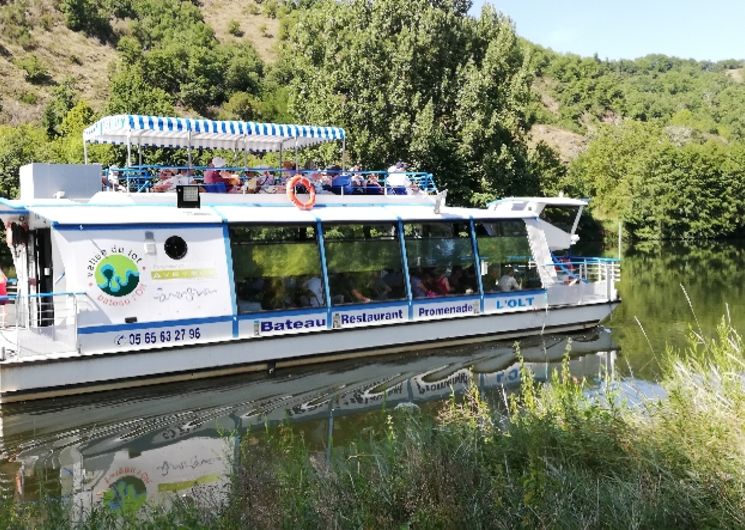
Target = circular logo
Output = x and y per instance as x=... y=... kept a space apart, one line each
x=117 y=275
x=127 y=494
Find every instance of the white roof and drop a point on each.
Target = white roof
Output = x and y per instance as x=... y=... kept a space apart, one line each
x=163 y=131
x=124 y=214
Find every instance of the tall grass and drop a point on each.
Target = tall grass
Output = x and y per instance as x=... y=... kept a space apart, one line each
x=551 y=456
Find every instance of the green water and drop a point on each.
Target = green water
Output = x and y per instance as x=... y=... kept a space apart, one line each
x=657 y=283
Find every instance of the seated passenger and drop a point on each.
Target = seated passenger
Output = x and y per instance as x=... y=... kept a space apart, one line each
x=345 y=292
x=357 y=184
x=373 y=187
x=508 y=282
x=457 y=280
x=420 y=287
x=341 y=184
x=312 y=292
x=441 y=284
x=491 y=279
x=182 y=178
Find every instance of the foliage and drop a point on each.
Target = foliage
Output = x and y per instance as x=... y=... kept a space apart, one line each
x=16 y=23
x=63 y=99
x=87 y=16
x=660 y=189
x=18 y=146
x=34 y=70
x=234 y=28
x=419 y=81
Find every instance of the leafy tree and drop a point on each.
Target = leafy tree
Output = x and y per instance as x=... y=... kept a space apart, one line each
x=64 y=98
x=19 y=145
x=420 y=81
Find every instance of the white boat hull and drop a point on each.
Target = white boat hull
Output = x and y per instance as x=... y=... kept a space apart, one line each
x=74 y=373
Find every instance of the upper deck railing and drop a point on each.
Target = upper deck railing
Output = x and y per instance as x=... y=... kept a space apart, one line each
x=238 y=179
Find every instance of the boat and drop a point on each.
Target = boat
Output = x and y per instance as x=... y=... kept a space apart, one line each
x=121 y=285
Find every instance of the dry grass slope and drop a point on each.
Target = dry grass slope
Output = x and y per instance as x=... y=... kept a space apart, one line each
x=67 y=54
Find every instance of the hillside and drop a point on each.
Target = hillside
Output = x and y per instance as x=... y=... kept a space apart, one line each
x=38 y=51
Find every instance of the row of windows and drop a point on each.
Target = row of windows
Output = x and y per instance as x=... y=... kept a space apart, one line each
x=279 y=267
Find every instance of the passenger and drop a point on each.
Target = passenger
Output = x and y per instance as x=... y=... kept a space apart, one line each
x=357 y=183
x=312 y=292
x=350 y=294
x=397 y=179
x=265 y=183
x=380 y=286
x=441 y=284
x=508 y=282
x=421 y=285
x=182 y=178
x=213 y=180
x=341 y=184
x=373 y=187
x=491 y=279
x=414 y=189
x=457 y=280
x=276 y=295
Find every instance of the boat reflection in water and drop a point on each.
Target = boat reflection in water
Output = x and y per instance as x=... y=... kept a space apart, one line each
x=129 y=447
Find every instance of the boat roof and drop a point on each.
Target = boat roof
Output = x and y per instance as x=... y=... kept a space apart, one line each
x=122 y=210
x=164 y=131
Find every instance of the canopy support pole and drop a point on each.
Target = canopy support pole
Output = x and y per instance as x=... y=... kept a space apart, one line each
x=343 y=154
x=297 y=161
x=188 y=150
x=245 y=152
x=139 y=152
x=281 y=147
x=129 y=151
x=85 y=152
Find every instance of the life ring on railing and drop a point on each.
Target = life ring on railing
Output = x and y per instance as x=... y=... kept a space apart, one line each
x=292 y=194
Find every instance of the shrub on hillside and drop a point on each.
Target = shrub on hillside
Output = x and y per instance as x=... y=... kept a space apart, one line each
x=35 y=71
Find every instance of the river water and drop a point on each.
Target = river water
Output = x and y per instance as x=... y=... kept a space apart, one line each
x=156 y=442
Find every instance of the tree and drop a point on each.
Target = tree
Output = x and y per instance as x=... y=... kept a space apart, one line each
x=419 y=80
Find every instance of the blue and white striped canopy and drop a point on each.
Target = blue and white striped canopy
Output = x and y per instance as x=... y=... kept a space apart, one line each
x=159 y=131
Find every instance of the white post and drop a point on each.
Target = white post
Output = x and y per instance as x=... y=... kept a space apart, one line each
x=129 y=151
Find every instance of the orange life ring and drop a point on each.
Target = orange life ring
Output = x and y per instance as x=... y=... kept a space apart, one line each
x=292 y=194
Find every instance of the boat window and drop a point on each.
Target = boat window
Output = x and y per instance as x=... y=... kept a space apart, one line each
x=504 y=252
x=175 y=247
x=276 y=267
x=440 y=257
x=364 y=263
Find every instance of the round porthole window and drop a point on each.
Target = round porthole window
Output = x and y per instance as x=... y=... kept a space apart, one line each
x=175 y=247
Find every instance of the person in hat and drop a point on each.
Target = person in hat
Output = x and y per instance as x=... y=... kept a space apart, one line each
x=212 y=174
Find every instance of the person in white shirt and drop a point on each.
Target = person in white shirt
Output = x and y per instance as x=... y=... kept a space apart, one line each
x=508 y=282
x=179 y=179
x=397 y=178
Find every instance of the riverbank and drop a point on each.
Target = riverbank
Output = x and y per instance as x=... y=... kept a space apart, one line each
x=555 y=456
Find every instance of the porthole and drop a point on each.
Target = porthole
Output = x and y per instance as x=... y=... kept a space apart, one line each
x=175 y=247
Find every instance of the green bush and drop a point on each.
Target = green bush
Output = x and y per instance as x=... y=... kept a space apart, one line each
x=34 y=70
x=234 y=28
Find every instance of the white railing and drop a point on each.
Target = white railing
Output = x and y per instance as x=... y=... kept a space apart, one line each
x=38 y=324
x=596 y=277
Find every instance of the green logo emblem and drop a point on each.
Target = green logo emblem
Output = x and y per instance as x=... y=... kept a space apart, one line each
x=117 y=275
x=127 y=494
